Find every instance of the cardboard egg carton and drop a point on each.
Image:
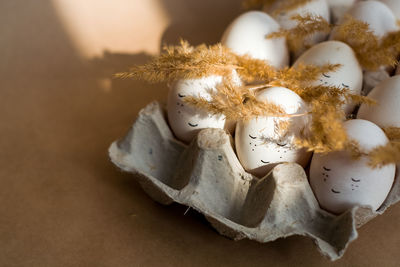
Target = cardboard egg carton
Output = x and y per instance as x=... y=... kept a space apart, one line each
x=207 y=176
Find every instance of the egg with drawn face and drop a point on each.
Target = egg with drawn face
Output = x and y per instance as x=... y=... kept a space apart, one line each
x=348 y=76
x=285 y=18
x=246 y=35
x=187 y=121
x=261 y=145
x=340 y=182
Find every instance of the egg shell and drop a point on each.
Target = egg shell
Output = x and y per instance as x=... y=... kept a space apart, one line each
x=380 y=18
x=394 y=6
x=314 y=7
x=348 y=76
x=340 y=182
x=340 y=7
x=258 y=143
x=185 y=120
x=247 y=35
x=207 y=176
x=386 y=113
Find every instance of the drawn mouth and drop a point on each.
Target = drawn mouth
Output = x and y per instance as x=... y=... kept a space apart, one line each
x=193 y=125
x=334 y=191
x=265 y=162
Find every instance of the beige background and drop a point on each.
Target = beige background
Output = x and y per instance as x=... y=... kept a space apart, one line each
x=62 y=203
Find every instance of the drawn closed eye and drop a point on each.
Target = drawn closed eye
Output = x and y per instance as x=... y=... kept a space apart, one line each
x=180 y=95
x=354 y=180
x=281 y=144
x=344 y=85
x=192 y=125
x=334 y=191
x=326 y=76
x=326 y=169
x=252 y=137
x=265 y=162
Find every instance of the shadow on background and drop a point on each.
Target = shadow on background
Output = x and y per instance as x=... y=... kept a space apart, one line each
x=198 y=22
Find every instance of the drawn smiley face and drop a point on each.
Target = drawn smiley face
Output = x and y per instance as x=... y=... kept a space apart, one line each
x=353 y=182
x=186 y=121
x=261 y=145
x=339 y=182
x=332 y=79
x=347 y=76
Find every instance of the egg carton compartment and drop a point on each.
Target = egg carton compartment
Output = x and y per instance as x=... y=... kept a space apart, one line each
x=207 y=176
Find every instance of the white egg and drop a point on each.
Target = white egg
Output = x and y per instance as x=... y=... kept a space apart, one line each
x=313 y=7
x=387 y=111
x=348 y=76
x=340 y=182
x=394 y=6
x=247 y=35
x=380 y=18
x=185 y=120
x=260 y=146
x=381 y=21
x=339 y=7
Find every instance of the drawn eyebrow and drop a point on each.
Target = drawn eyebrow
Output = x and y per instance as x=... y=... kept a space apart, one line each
x=327 y=76
x=326 y=169
x=193 y=125
x=345 y=85
x=181 y=95
x=252 y=137
x=354 y=180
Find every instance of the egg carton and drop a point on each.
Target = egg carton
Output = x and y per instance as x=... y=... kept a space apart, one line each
x=207 y=176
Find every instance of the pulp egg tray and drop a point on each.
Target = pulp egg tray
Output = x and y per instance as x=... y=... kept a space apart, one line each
x=207 y=176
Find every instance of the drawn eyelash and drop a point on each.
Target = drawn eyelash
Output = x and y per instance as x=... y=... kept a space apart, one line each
x=354 y=180
x=326 y=169
x=280 y=144
x=344 y=85
x=181 y=95
x=252 y=137
x=326 y=76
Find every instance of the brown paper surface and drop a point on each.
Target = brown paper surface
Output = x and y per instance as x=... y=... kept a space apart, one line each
x=62 y=202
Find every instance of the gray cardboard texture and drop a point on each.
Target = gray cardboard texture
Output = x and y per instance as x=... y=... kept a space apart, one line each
x=207 y=176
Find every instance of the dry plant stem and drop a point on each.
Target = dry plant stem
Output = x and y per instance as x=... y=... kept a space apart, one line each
x=306 y=26
x=393 y=133
x=372 y=52
x=238 y=103
x=384 y=155
x=326 y=132
x=186 y=62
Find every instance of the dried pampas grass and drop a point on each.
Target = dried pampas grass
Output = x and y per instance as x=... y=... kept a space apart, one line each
x=307 y=26
x=326 y=132
x=372 y=52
